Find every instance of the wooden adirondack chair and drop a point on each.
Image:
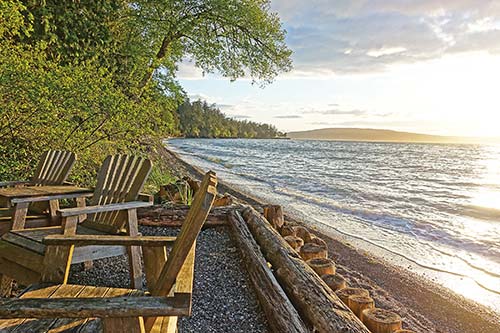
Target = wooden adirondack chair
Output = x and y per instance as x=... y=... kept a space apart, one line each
x=75 y=308
x=25 y=258
x=52 y=169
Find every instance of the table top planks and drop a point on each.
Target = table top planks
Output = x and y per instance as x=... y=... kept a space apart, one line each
x=39 y=191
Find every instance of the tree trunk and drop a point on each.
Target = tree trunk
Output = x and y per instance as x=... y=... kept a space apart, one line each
x=311 y=296
x=167 y=40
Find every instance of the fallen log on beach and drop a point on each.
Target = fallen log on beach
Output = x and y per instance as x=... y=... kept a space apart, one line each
x=312 y=298
x=160 y=215
x=280 y=313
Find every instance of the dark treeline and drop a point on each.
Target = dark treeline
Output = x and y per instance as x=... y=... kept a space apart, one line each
x=201 y=120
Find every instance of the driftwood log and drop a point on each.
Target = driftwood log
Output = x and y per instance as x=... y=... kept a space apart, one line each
x=322 y=266
x=160 y=215
x=294 y=241
x=345 y=293
x=274 y=214
x=280 y=313
x=311 y=251
x=309 y=294
x=303 y=233
x=334 y=281
x=381 y=321
x=358 y=304
x=287 y=230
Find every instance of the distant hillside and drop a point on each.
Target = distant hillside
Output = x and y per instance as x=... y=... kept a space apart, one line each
x=367 y=134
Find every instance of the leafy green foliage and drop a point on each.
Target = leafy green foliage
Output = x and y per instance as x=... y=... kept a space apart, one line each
x=200 y=120
x=76 y=75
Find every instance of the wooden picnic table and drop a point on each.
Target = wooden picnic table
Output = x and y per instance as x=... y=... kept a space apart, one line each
x=19 y=198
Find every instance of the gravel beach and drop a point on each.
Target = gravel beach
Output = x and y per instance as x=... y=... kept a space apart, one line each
x=223 y=298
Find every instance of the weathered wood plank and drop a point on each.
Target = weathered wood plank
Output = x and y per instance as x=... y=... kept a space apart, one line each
x=133 y=251
x=103 y=208
x=280 y=313
x=19 y=213
x=154 y=259
x=21 y=256
x=309 y=294
x=107 y=307
x=82 y=240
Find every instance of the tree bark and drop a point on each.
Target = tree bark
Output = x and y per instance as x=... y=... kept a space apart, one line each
x=280 y=313
x=310 y=295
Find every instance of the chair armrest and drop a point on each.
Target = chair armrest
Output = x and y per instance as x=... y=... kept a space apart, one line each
x=102 y=208
x=52 y=197
x=83 y=240
x=113 y=307
x=15 y=182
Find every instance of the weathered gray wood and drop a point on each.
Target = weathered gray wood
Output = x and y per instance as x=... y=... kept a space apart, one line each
x=311 y=296
x=116 y=307
x=102 y=208
x=197 y=215
x=280 y=313
x=134 y=252
x=83 y=192
x=16 y=183
x=274 y=214
x=154 y=259
x=159 y=215
x=83 y=240
x=19 y=216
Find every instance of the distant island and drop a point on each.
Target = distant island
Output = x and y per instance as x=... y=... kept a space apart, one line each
x=379 y=135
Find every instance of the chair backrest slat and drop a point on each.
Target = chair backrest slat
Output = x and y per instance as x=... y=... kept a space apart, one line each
x=54 y=167
x=200 y=208
x=120 y=179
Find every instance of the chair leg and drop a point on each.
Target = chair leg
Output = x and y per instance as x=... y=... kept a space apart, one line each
x=120 y=325
x=134 y=261
x=134 y=252
x=5 y=285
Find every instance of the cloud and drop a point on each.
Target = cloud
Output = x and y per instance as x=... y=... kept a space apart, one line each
x=292 y=116
x=360 y=36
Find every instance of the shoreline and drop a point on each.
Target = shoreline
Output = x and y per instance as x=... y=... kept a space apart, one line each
x=425 y=305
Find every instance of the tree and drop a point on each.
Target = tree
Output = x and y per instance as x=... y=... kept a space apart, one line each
x=234 y=37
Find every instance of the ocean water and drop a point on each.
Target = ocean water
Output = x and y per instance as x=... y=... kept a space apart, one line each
x=434 y=208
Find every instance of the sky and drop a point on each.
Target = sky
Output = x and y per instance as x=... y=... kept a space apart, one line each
x=427 y=66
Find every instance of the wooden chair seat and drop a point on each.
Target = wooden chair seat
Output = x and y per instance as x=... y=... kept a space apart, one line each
x=64 y=324
x=31 y=239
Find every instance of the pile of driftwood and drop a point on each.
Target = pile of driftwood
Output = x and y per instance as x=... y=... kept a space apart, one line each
x=301 y=290
x=295 y=280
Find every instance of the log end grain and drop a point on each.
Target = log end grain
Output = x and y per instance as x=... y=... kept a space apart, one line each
x=359 y=303
x=381 y=321
x=311 y=251
x=295 y=242
x=303 y=233
x=322 y=266
x=318 y=241
x=287 y=230
x=334 y=281
x=345 y=293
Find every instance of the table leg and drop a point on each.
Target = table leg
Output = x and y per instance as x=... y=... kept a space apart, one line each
x=19 y=215
x=53 y=208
